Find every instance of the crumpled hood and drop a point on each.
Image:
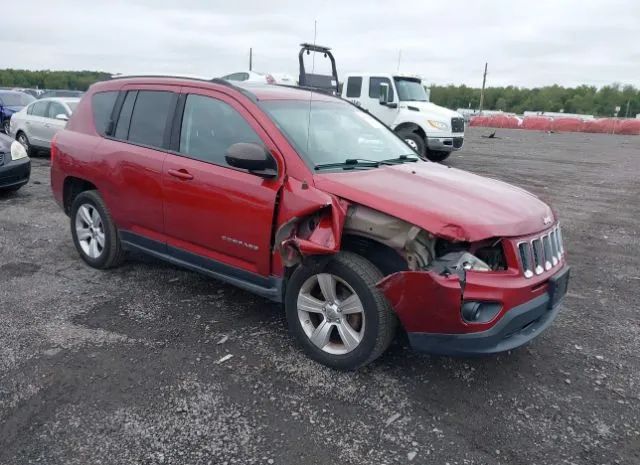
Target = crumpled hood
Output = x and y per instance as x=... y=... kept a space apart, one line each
x=433 y=109
x=448 y=202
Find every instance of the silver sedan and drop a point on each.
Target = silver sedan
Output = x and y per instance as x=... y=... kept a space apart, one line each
x=35 y=125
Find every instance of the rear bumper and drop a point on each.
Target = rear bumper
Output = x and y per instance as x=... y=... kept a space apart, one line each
x=445 y=144
x=517 y=327
x=15 y=173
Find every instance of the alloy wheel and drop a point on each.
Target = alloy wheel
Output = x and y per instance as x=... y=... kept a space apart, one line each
x=331 y=314
x=412 y=143
x=90 y=230
x=24 y=141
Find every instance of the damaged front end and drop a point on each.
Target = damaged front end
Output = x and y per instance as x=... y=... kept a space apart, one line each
x=440 y=286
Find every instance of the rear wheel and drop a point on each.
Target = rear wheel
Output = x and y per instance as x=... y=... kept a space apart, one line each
x=94 y=233
x=437 y=156
x=5 y=126
x=337 y=314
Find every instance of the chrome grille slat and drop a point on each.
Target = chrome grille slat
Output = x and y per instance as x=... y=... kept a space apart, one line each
x=542 y=253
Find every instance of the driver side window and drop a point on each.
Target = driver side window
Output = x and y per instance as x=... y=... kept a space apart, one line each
x=210 y=127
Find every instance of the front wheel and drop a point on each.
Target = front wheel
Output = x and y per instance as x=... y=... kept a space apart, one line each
x=437 y=156
x=415 y=141
x=337 y=314
x=5 y=126
x=24 y=140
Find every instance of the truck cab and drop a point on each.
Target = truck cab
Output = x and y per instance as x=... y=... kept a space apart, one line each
x=402 y=103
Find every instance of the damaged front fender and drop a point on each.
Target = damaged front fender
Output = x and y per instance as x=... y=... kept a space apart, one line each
x=310 y=222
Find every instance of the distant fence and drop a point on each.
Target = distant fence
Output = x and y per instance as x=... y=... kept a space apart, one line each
x=559 y=124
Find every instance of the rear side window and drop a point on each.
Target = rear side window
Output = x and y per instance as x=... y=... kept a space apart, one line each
x=354 y=86
x=149 y=117
x=40 y=109
x=210 y=127
x=374 y=87
x=102 y=104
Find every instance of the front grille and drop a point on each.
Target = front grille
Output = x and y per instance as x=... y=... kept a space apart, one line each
x=1 y=158
x=457 y=142
x=457 y=124
x=542 y=253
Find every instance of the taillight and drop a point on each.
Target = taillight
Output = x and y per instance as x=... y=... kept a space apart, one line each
x=54 y=148
x=270 y=79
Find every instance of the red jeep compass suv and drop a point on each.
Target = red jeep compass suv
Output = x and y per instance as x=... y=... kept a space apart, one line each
x=307 y=200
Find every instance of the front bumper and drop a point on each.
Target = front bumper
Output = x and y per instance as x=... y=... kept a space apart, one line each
x=14 y=173
x=445 y=144
x=429 y=307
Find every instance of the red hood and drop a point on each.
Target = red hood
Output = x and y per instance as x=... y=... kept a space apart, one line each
x=445 y=201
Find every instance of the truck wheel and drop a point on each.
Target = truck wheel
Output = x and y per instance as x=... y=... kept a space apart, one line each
x=94 y=233
x=337 y=314
x=5 y=126
x=437 y=156
x=415 y=141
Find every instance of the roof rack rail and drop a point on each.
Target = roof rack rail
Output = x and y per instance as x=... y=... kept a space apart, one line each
x=218 y=81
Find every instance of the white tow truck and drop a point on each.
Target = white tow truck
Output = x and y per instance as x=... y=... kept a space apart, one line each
x=401 y=102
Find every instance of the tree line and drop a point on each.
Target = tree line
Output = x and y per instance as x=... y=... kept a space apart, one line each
x=583 y=99
x=74 y=80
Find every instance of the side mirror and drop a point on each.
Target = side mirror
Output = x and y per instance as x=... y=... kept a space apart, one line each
x=384 y=93
x=253 y=158
x=62 y=117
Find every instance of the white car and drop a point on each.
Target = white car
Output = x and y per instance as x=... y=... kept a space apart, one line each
x=401 y=102
x=35 y=125
x=268 y=78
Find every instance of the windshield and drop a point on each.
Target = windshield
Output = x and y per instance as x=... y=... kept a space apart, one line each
x=410 y=90
x=338 y=131
x=15 y=99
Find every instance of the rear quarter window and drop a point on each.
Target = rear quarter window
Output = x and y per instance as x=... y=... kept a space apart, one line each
x=102 y=103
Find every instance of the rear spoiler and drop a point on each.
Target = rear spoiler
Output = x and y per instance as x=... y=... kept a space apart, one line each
x=318 y=82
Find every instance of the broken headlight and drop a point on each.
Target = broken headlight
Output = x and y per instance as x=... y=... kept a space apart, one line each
x=453 y=261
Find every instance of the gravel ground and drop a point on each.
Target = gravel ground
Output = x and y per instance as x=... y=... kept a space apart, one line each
x=124 y=367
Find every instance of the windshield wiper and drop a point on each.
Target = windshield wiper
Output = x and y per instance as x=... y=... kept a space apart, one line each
x=351 y=163
x=403 y=158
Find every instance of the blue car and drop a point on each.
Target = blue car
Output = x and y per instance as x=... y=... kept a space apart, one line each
x=11 y=102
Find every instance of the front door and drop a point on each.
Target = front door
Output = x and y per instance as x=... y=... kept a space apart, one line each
x=216 y=215
x=384 y=113
x=52 y=125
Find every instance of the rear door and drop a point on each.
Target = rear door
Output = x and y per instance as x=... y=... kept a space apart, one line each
x=133 y=154
x=219 y=216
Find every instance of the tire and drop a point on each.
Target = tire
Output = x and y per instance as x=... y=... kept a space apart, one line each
x=5 y=126
x=24 y=140
x=85 y=207
x=370 y=322
x=415 y=141
x=437 y=156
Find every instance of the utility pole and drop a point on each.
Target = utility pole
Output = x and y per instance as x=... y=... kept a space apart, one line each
x=250 y=59
x=484 y=80
x=627 y=114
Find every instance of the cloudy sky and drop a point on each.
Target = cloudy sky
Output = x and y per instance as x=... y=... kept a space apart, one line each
x=527 y=43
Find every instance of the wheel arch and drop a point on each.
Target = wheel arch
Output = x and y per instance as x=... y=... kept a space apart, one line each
x=411 y=127
x=72 y=187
